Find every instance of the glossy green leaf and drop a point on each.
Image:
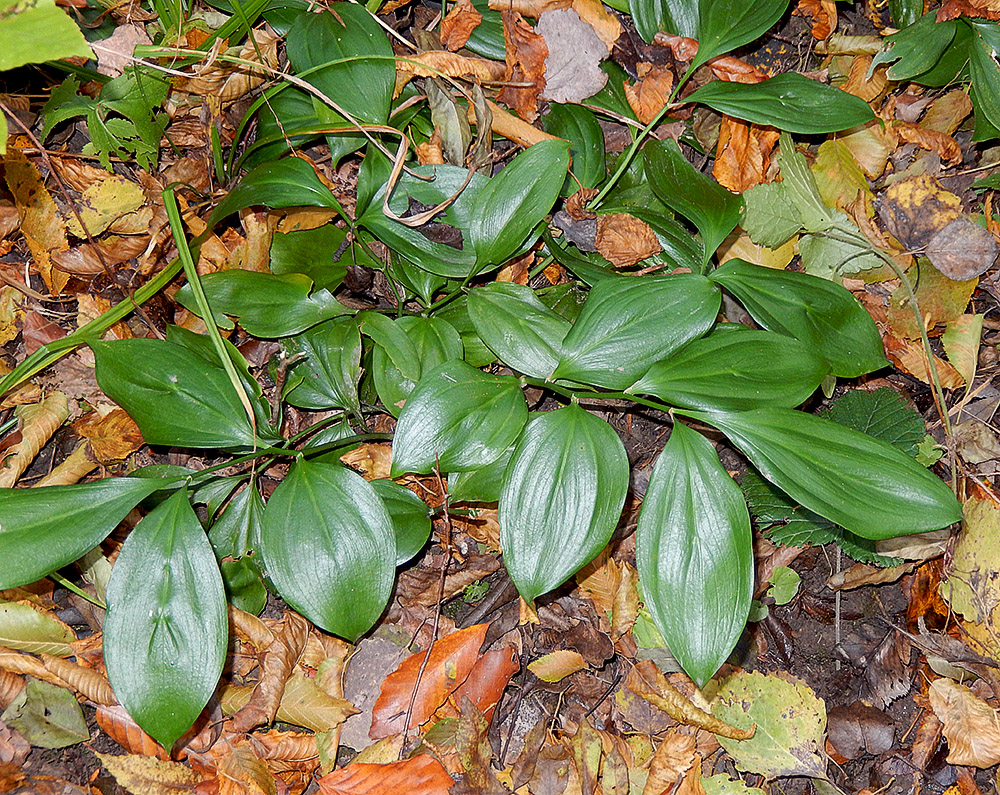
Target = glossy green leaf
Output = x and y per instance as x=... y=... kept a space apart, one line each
x=684 y=189
x=487 y=37
x=457 y=418
x=986 y=84
x=579 y=126
x=629 y=324
x=329 y=547
x=673 y=16
x=435 y=341
x=916 y=48
x=266 y=305
x=694 y=554
x=724 y=25
x=678 y=248
x=861 y=483
x=284 y=183
x=511 y=204
x=787 y=101
x=815 y=311
x=34 y=545
x=166 y=629
x=457 y=314
x=392 y=338
x=235 y=537
x=176 y=397
x=905 y=12
x=561 y=498
x=330 y=367
x=411 y=521
x=524 y=333
x=479 y=485
x=311 y=252
x=736 y=369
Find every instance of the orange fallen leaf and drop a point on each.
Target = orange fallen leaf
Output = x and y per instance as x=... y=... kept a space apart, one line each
x=723 y=67
x=111 y=433
x=449 y=663
x=624 y=240
x=932 y=140
x=743 y=154
x=650 y=92
x=119 y=726
x=950 y=9
x=526 y=54
x=557 y=665
x=971 y=726
x=511 y=127
x=673 y=759
x=823 y=14
x=419 y=775
x=605 y=24
x=485 y=682
x=865 y=83
x=908 y=356
x=429 y=153
x=458 y=25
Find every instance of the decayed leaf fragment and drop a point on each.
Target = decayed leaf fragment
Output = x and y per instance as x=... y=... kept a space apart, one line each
x=823 y=14
x=526 y=54
x=971 y=726
x=458 y=24
x=575 y=51
x=152 y=776
x=650 y=92
x=624 y=240
x=743 y=154
x=38 y=422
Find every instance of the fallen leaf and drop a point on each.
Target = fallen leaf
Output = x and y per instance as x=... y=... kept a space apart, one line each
x=961 y=342
x=743 y=154
x=509 y=126
x=605 y=24
x=150 y=776
x=86 y=681
x=458 y=24
x=110 y=432
x=429 y=153
x=38 y=421
x=625 y=240
x=863 y=574
x=674 y=757
x=823 y=14
x=14 y=749
x=950 y=9
x=119 y=726
x=975 y=442
x=860 y=729
x=476 y=754
x=116 y=52
x=790 y=720
x=449 y=663
x=650 y=92
x=866 y=83
x=575 y=51
x=557 y=665
x=839 y=178
x=915 y=209
x=625 y=608
x=485 y=683
x=970 y=725
x=418 y=775
x=738 y=245
x=962 y=250
x=529 y=8
x=372 y=461
x=940 y=299
x=103 y=203
x=437 y=62
x=871 y=146
x=526 y=54
x=909 y=356
x=944 y=145
x=11 y=312
x=947 y=112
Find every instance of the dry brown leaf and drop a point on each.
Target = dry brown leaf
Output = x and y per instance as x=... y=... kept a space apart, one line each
x=625 y=607
x=240 y=772
x=862 y=574
x=723 y=67
x=971 y=726
x=115 y=52
x=908 y=356
x=11 y=686
x=485 y=683
x=438 y=62
x=652 y=685
x=605 y=24
x=77 y=174
x=509 y=126
x=526 y=54
x=119 y=726
x=915 y=209
x=557 y=665
x=372 y=461
x=11 y=312
x=458 y=25
x=950 y=9
x=943 y=144
x=418 y=775
x=150 y=776
x=529 y=8
x=9 y=219
x=86 y=681
x=573 y=64
x=869 y=88
x=303 y=703
x=14 y=749
x=429 y=153
x=37 y=424
x=624 y=240
x=111 y=433
x=743 y=154
x=823 y=14
x=962 y=250
x=674 y=757
x=650 y=92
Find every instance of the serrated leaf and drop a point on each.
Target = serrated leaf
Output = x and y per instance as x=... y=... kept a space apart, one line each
x=787 y=101
x=524 y=333
x=791 y=724
x=628 y=324
x=410 y=516
x=882 y=413
x=35 y=546
x=724 y=25
x=176 y=397
x=815 y=311
x=769 y=216
x=801 y=189
x=735 y=369
x=694 y=554
x=38 y=31
x=331 y=366
x=837 y=250
x=329 y=547
x=166 y=629
x=561 y=498
x=457 y=418
x=861 y=483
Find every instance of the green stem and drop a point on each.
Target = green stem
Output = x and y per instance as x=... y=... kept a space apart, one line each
x=58 y=578
x=590 y=394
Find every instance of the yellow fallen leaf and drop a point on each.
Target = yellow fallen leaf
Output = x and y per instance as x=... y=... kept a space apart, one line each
x=971 y=726
x=103 y=203
x=38 y=422
x=150 y=776
x=557 y=665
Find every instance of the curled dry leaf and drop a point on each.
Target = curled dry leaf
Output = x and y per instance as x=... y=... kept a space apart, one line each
x=950 y=9
x=743 y=154
x=674 y=757
x=650 y=92
x=823 y=16
x=303 y=703
x=418 y=775
x=14 y=749
x=509 y=126
x=372 y=461
x=860 y=729
x=119 y=726
x=529 y=8
x=624 y=240
x=526 y=54
x=458 y=25
x=557 y=665
x=438 y=62
x=429 y=153
x=110 y=432
x=38 y=422
x=869 y=87
x=86 y=681
x=625 y=607
x=943 y=144
x=909 y=357
x=862 y=574
x=970 y=725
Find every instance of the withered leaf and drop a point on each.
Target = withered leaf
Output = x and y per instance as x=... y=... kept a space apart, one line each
x=526 y=54
x=624 y=240
x=572 y=68
x=971 y=726
x=962 y=250
x=743 y=154
x=458 y=25
x=418 y=775
x=823 y=16
x=915 y=209
x=859 y=729
x=650 y=92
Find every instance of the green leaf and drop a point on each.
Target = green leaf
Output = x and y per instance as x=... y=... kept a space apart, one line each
x=861 y=483
x=694 y=548
x=26 y=627
x=985 y=86
x=457 y=418
x=673 y=16
x=629 y=324
x=724 y=25
x=479 y=485
x=579 y=126
x=284 y=183
x=882 y=413
x=801 y=189
x=524 y=333
x=684 y=189
x=177 y=398
x=511 y=204
x=35 y=546
x=331 y=366
x=905 y=12
x=36 y=31
x=769 y=216
x=840 y=249
x=266 y=305
x=916 y=49
x=47 y=716
x=736 y=369
x=784 y=585
x=561 y=498
x=328 y=543
x=487 y=37
x=787 y=101
x=311 y=252
x=410 y=518
x=235 y=537
x=390 y=335
x=166 y=629
x=457 y=314
x=815 y=311
x=435 y=341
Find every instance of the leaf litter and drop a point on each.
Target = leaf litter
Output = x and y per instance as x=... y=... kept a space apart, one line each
x=490 y=704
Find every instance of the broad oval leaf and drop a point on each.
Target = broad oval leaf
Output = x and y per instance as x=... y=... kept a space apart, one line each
x=736 y=369
x=816 y=311
x=694 y=554
x=457 y=418
x=724 y=25
x=331 y=366
x=578 y=125
x=684 y=189
x=267 y=305
x=522 y=331
x=175 y=396
x=511 y=204
x=561 y=498
x=673 y=16
x=328 y=544
x=628 y=324
x=166 y=629
x=411 y=521
x=848 y=477
x=479 y=485
x=34 y=545
x=311 y=252
x=787 y=101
